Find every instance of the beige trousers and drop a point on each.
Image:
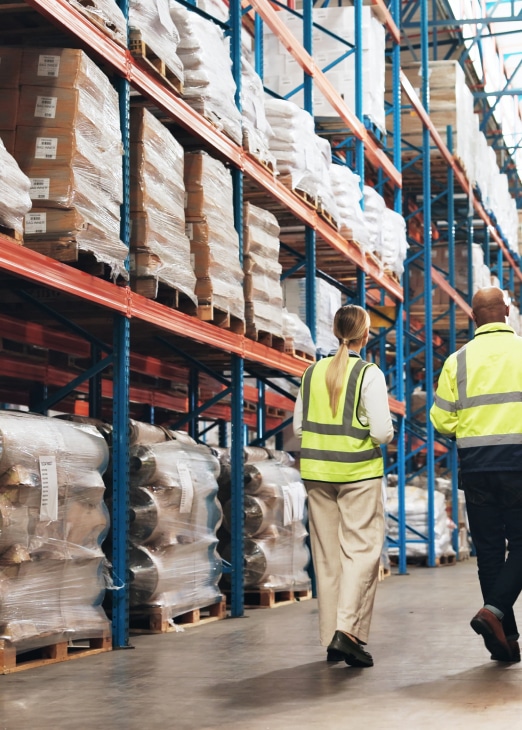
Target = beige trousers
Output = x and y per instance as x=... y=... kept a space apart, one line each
x=347 y=536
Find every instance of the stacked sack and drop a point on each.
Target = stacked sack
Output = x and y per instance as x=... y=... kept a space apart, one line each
x=346 y=188
x=68 y=142
x=303 y=158
x=160 y=249
x=262 y=283
x=150 y=23
x=53 y=521
x=209 y=85
x=298 y=339
x=328 y=300
x=394 y=242
x=174 y=520
x=14 y=192
x=107 y=15
x=214 y=242
x=274 y=512
x=256 y=129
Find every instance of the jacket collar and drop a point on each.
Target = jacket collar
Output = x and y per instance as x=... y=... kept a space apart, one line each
x=487 y=329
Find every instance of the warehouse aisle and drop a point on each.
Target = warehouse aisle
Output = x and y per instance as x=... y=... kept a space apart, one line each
x=267 y=672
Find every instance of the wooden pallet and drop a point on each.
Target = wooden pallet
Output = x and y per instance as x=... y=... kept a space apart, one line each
x=311 y=200
x=383 y=572
x=169 y=296
x=159 y=619
x=265 y=338
x=13 y=661
x=422 y=560
x=299 y=354
x=270 y=598
x=328 y=217
x=152 y=62
x=13 y=235
x=207 y=312
x=85 y=7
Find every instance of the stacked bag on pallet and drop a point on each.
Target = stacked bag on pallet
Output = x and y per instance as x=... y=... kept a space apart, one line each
x=394 y=243
x=274 y=513
x=256 y=129
x=214 y=242
x=160 y=249
x=15 y=201
x=328 y=301
x=262 y=283
x=107 y=15
x=150 y=23
x=68 y=142
x=53 y=520
x=303 y=158
x=209 y=85
x=298 y=339
x=346 y=187
x=416 y=498
x=175 y=516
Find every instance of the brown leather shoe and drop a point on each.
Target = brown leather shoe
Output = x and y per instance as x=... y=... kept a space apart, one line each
x=515 y=652
x=490 y=628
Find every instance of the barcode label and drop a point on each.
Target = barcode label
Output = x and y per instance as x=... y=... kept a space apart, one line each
x=49 y=479
x=46 y=107
x=48 y=66
x=39 y=188
x=46 y=148
x=36 y=222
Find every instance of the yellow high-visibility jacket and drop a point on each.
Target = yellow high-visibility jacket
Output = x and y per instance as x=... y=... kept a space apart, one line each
x=479 y=400
x=336 y=449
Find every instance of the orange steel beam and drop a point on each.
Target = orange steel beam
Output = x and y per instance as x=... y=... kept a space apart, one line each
x=385 y=17
x=36 y=267
x=330 y=93
x=439 y=279
x=459 y=175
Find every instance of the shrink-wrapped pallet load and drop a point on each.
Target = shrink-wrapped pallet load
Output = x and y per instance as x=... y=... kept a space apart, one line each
x=374 y=209
x=214 y=241
x=175 y=516
x=10 y=65
x=329 y=300
x=274 y=510
x=68 y=142
x=346 y=188
x=15 y=201
x=303 y=159
x=262 y=283
x=53 y=520
x=207 y=67
x=394 y=242
x=160 y=249
x=256 y=129
x=298 y=340
x=106 y=15
x=150 y=24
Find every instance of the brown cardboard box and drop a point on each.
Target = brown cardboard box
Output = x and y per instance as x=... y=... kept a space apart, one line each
x=10 y=98
x=46 y=106
x=52 y=222
x=10 y=64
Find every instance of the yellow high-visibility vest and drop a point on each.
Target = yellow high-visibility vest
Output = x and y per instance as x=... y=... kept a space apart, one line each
x=336 y=449
x=479 y=400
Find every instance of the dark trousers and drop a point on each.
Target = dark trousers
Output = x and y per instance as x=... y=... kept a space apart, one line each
x=494 y=506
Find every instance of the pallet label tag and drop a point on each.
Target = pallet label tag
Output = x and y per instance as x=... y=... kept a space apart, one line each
x=187 y=489
x=49 y=478
x=48 y=65
x=46 y=107
x=36 y=222
x=46 y=148
x=39 y=188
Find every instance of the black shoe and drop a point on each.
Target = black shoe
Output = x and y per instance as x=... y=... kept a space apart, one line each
x=515 y=652
x=352 y=652
x=332 y=655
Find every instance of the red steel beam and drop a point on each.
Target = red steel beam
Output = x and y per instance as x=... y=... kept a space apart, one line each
x=441 y=282
x=330 y=93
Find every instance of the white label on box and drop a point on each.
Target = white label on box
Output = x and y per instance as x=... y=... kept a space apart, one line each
x=132 y=261
x=189 y=230
x=39 y=188
x=46 y=107
x=48 y=65
x=46 y=148
x=287 y=502
x=49 y=479
x=36 y=223
x=187 y=488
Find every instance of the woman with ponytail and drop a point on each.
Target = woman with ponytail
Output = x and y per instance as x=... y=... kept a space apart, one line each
x=342 y=416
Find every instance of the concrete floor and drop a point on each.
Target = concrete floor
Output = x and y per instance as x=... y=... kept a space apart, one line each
x=267 y=672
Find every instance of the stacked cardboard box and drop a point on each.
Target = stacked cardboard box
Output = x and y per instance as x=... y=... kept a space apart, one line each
x=160 y=249
x=68 y=142
x=262 y=284
x=214 y=242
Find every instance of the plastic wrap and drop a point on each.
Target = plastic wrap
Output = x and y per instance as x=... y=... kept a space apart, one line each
x=416 y=499
x=262 y=282
x=175 y=516
x=107 y=15
x=209 y=85
x=394 y=242
x=213 y=239
x=297 y=335
x=274 y=512
x=152 y=19
x=15 y=201
x=256 y=129
x=374 y=209
x=329 y=300
x=53 y=521
x=69 y=144
x=347 y=192
x=159 y=245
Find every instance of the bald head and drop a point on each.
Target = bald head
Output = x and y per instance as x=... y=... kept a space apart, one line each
x=489 y=306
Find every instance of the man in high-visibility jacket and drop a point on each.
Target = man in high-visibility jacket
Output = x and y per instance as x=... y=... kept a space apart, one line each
x=479 y=401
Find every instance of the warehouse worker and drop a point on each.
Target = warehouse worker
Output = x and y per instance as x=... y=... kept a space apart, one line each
x=479 y=400
x=341 y=416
